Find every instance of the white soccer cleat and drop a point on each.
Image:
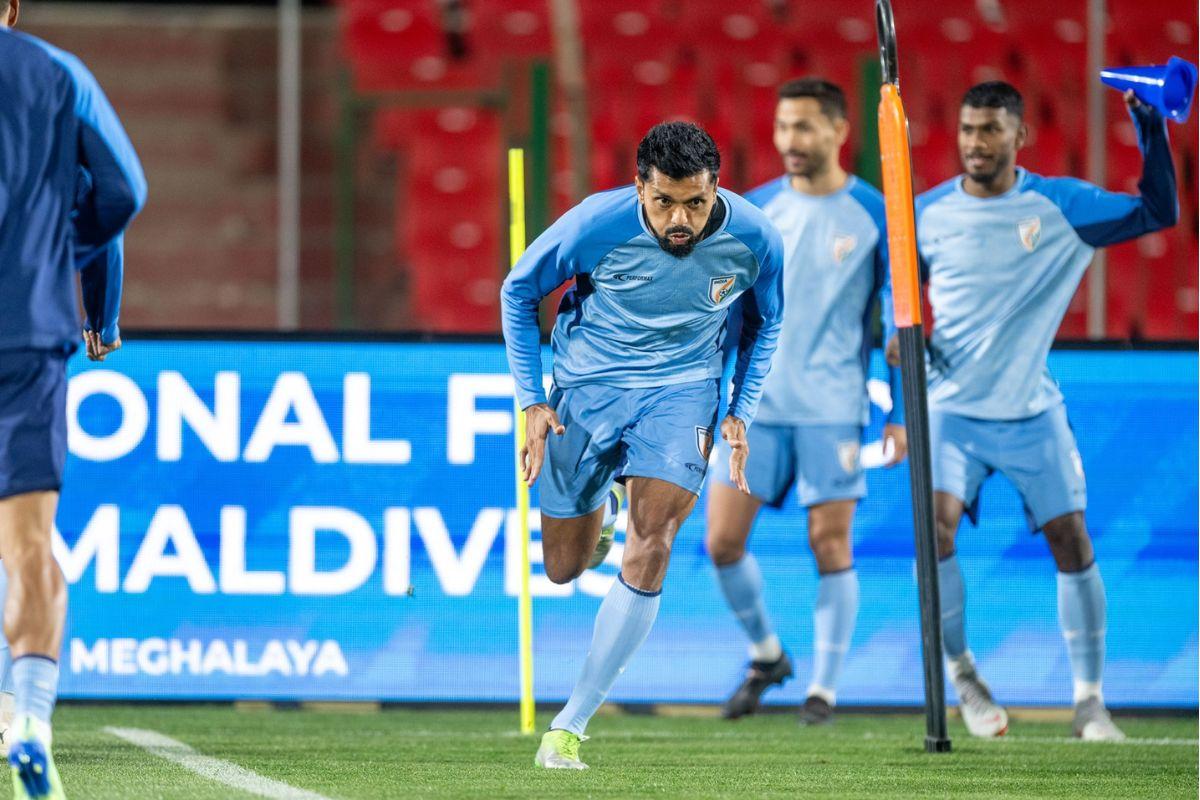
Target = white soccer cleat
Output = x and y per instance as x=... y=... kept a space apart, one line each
x=1093 y=723
x=559 y=750
x=983 y=717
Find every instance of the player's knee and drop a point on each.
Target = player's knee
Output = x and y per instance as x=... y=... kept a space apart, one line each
x=946 y=535
x=725 y=549
x=563 y=570
x=830 y=544
x=1069 y=542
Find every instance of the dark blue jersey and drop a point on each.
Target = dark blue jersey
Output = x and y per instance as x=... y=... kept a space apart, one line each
x=69 y=184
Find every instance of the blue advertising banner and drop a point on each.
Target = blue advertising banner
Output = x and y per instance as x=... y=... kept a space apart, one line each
x=331 y=520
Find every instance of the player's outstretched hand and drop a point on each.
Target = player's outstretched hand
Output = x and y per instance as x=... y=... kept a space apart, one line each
x=891 y=353
x=733 y=431
x=97 y=350
x=1131 y=99
x=895 y=441
x=540 y=419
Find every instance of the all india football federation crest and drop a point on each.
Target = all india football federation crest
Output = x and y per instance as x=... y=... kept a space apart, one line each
x=720 y=288
x=704 y=441
x=1030 y=231
x=843 y=245
x=847 y=452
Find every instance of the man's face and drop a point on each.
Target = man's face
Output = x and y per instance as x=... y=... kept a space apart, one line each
x=988 y=140
x=677 y=210
x=808 y=140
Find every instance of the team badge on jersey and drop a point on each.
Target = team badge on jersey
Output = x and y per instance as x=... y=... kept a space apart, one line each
x=848 y=456
x=843 y=245
x=1030 y=231
x=704 y=441
x=720 y=288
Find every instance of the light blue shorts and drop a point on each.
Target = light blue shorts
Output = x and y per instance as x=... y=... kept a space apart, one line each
x=822 y=460
x=613 y=432
x=1038 y=455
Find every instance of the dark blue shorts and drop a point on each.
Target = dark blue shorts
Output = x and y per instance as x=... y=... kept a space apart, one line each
x=33 y=421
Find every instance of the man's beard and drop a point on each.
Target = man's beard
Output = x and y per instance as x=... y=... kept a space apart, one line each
x=678 y=250
x=987 y=178
x=814 y=167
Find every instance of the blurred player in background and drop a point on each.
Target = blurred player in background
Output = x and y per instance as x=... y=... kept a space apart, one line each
x=637 y=368
x=814 y=406
x=69 y=184
x=1004 y=251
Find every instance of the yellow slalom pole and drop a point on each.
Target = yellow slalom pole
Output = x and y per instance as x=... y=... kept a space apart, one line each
x=516 y=246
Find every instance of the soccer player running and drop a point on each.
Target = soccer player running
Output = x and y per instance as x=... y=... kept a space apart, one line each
x=814 y=403
x=69 y=184
x=637 y=368
x=1004 y=251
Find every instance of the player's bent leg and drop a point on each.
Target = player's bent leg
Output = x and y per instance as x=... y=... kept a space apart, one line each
x=1082 y=610
x=980 y=712
x=568 y=544
x=836 y=608
x=731 y=515
x=34 y=612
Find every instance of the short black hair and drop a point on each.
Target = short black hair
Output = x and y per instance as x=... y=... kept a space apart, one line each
x=828 y=95
x=996 y=94
x=678 y=150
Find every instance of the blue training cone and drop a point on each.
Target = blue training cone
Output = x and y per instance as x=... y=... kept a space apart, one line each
x=1169 y=87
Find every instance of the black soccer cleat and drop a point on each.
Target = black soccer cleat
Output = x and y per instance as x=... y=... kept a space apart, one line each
x=759 y=676
x=816 y=711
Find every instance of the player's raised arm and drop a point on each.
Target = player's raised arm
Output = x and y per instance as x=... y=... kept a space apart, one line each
x=762 y=317
x=1102 y=218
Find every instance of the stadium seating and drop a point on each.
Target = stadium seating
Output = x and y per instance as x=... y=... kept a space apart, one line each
x=718 y=63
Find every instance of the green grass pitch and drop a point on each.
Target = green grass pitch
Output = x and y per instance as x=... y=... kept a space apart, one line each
x=478 y=754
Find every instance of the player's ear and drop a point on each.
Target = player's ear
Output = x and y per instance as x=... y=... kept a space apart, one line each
x=1022 y=134
x=641 y=187
x=14 y=11
x=841 y=130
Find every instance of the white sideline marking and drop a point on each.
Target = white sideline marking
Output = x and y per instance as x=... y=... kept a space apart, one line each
x=214 y=769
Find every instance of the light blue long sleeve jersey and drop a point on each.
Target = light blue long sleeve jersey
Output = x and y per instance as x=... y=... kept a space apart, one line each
x=637 y=316
x=835 y=260
x=1002 y=271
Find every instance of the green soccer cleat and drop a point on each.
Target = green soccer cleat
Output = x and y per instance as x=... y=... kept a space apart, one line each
x=559 y=750
x=612 y=507
x=34 y=775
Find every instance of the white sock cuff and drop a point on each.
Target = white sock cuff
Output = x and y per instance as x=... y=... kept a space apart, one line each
x=1088 y=689
x=768 y=650
x=823 y=692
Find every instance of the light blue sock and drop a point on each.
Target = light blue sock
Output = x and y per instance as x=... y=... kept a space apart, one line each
x=953 y=597
x=1081 y=615
x=36 y=682
x=833 y=627
x=6 y=680
x=622 y=623
x=742 y=584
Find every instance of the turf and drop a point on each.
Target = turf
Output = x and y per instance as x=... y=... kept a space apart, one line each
x=472 y=754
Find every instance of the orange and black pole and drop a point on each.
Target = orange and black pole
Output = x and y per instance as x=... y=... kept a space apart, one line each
x=896 y=162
